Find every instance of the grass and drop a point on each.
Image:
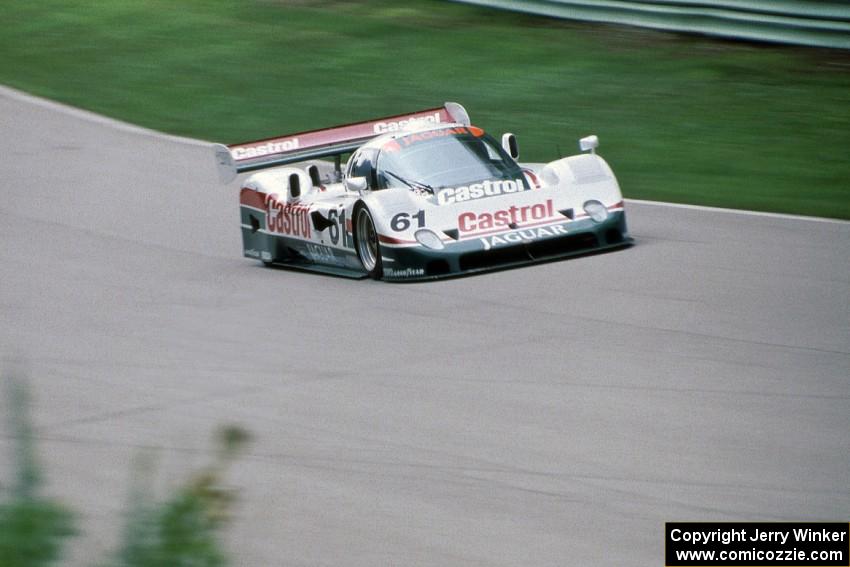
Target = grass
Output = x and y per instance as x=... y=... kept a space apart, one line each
x=680 y=118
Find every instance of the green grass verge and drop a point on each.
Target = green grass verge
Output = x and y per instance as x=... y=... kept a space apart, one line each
x=680 y=118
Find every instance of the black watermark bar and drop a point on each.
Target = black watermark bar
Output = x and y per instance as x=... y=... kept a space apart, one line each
x=757 y=544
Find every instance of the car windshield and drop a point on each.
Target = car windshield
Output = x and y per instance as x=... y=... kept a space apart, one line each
x=444 y=158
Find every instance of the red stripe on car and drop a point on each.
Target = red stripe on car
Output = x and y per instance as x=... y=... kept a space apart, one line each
x=535 y=181
x=393 y=240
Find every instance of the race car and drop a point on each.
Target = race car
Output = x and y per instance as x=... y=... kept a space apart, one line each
x=423 y=195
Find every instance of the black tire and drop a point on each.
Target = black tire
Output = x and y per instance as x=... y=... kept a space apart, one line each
x=366 y=242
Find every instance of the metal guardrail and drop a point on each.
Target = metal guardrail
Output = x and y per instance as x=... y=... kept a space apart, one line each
x=801 y=22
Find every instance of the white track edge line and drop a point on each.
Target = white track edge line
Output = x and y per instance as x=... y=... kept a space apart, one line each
x=15 y=94
x=784 y=216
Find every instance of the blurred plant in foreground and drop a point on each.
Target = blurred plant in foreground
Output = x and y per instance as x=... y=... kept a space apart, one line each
x=32 y=528
x=183 y=529
x=180 y=531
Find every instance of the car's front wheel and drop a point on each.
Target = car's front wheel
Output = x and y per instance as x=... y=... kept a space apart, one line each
x=366 y=242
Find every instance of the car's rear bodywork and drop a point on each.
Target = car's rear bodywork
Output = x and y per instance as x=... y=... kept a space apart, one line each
x=440 y=218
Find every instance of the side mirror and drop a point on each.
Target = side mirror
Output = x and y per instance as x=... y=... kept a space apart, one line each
x=510 y=145
x=589 y=143
x=357 y=184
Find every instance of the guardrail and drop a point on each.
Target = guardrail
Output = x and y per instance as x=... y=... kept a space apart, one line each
x=802 y=22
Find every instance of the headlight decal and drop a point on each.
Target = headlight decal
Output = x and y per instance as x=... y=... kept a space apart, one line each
x=429 y=239
x=596 y=210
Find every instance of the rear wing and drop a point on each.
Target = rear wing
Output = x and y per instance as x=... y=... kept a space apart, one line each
x=260 y=154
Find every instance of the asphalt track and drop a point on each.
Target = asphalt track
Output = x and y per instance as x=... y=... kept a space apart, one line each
x=550 y=415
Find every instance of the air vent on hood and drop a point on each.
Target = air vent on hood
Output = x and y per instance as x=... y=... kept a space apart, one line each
x=586 y=168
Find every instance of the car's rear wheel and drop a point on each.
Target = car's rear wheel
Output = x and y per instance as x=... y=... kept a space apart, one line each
x=366 y=242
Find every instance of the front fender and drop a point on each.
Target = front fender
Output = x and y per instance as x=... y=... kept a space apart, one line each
x=399 y=204
x=587 y=176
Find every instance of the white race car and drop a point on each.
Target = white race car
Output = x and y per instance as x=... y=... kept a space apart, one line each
x=423 y=195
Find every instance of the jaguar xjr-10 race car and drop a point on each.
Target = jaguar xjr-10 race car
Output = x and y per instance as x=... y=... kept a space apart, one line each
x=423 y=195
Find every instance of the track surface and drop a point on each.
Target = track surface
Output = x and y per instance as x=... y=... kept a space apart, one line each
x=550 y=415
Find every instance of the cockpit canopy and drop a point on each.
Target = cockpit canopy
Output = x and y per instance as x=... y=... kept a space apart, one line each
x=428 y=160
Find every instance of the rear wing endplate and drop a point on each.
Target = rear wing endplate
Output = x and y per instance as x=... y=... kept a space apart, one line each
x=260 y=154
